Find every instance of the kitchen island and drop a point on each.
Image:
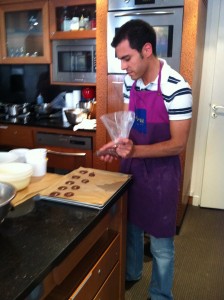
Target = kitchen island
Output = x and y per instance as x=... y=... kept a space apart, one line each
x=61 y=251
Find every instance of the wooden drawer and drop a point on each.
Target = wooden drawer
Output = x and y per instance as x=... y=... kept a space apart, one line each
x=110 y=288
x=98 y=274
x=16 y=136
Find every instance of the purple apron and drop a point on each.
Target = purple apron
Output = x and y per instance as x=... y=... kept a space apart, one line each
x=154 y=192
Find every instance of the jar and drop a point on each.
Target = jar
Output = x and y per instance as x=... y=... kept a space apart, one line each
x=75 y=23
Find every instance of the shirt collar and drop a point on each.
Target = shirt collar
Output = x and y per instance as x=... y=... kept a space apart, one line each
x=164 y=77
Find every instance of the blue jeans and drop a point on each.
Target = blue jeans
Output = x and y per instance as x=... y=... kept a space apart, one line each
x=162 y=249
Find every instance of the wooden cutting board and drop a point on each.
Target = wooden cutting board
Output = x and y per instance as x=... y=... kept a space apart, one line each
x=87 y=186
x=36 y=185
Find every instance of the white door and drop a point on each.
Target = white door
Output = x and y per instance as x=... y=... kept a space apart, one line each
x=213 y=179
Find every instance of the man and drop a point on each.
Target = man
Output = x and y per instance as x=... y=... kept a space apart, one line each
x=162 y=102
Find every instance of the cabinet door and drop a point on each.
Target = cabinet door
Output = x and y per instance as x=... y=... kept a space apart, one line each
x=25 y=33
x=74 y=8
x=110 y=288
x=99 y=274
x=115 y=103
x=16 y=136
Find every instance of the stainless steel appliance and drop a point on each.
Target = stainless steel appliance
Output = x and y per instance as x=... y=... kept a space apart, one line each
x=74 y=61
x=166 y=16
x=62 y=161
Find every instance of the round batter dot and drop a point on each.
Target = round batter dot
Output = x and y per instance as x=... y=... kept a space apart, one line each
x=62 y=188
x=75 y=177
x=75 y=187
x=69 y=182
x=69 y=194
x=92 y=174
x=85 y=181
x=54 y=194
x=83 y=172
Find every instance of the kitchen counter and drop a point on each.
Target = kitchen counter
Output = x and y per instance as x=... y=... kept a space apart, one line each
x=41 y=121
x=38 y=235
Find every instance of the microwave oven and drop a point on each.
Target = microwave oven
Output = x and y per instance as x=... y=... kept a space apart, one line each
x=74 y=61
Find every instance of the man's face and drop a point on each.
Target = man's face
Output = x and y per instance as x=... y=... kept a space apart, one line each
x=132 y=61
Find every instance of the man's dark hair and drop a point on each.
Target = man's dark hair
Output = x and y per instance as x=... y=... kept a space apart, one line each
x=138 y=33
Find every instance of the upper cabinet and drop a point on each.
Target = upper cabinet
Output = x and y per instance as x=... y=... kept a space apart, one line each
x=24 y=32
x=65 y=16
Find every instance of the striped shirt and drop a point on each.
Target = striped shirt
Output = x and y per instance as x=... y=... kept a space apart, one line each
x=176 y=92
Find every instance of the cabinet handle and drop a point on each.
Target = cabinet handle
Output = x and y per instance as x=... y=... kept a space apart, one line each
x=66 y=153
x=99 y=272
x=81 y=286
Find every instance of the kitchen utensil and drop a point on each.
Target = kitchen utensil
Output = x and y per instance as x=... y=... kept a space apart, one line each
x=18 y=174
x=44 y=108
x=118 y=124
x=17 y=109
x=90 y=106
x=7 y=193
x=76 y=115
x=6 y=157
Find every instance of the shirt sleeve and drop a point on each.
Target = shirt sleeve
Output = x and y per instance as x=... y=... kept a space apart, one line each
x=180 y=105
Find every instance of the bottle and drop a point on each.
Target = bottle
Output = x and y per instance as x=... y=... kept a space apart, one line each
x=40 y=99
x=66 y=21
x=75 y=23
x=81 y=23
x=93 y=21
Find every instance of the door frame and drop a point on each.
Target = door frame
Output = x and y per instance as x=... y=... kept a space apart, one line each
x=205 y=100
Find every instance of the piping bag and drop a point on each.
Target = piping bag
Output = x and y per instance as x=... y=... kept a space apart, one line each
x=118 y=125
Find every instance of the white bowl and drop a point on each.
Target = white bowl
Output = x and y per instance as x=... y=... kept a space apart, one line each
x=20 y=152
x=7 y=157
x=18 y=174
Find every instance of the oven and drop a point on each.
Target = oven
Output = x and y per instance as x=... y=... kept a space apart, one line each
x=166 y=16
x=65 y=152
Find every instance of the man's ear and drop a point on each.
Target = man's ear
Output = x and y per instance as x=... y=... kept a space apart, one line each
x=147 y=49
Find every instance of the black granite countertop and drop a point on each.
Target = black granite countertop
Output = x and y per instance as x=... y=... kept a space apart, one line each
x=36 y=236
x=38 y=121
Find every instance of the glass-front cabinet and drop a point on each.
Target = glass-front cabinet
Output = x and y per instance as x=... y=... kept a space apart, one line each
x=72 y=19
x=25 y=33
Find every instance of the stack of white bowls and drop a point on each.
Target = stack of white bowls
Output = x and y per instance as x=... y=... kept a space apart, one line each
x=16 y=173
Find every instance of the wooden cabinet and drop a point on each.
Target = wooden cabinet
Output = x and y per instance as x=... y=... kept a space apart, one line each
x=62 y=158
x=16 y=136
x=24 y=32
x=56 y=9
x=95 y=268
x=100 y=272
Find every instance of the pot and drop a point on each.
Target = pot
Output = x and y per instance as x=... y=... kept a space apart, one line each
x=76 y=115
x=17 y=109
x=44 y=108
x=90 y=106
x=7 y=193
